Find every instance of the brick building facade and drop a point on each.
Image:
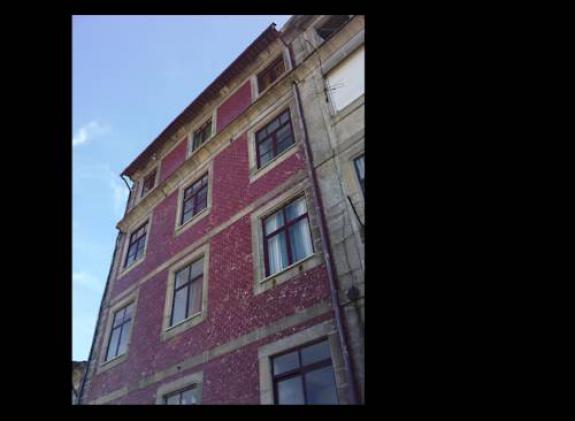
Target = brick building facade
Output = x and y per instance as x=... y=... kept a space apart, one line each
x=237 y=276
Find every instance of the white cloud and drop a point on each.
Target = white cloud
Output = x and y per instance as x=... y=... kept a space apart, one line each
x=85 y=280
x=88 y=132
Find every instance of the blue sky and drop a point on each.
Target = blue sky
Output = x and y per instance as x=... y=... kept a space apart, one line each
x=131 y=76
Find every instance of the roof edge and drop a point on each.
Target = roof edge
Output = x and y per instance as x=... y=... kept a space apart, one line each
x=269 y=35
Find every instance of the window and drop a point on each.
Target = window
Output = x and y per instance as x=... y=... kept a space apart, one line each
x=346 y=81
x=202 y=134
x=195 y=199
x=270 y=74
x=274 y=138
x=137 y=245
x=304 y=376
x=187 y=396
x=118 y=342
x=149 y=183
x=287 y=236
x=359 y=164
x=331 y=26
x=187 y=298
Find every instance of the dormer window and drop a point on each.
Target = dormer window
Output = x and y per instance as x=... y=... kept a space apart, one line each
x=331 y=26
x=270 y=74
x=202 y=134
x=148 y=183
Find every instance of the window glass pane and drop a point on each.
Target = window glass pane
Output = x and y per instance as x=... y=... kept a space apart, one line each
x=189 y=397
x=265 y=158
x=179 y=307
x=284 y=144
x=188 y=205
x=284 y=117
x=285 y=363
x=261 y=134
x=113 y=344
x=118 y=318
x=314 y=353
x=300 y=240
x=196 y=296
x=290 y=391
x=283 y=133
x=202 y=200
x=296 y=208
x=129 y=310
x=360 y=167
x=197 y=268
x=265 y=147
x=124 y=337
x=274 y=221
x=273 y=125
x=277 y=253
x=140 y=246
x=320 y=386
x=173 y=400
x=182 y=277
x=187 y=216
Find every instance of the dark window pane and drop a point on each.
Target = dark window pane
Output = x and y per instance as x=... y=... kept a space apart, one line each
x=202 y=200
x=314 y=353
x=273 y=125
x=173 y=400
x=261 y=134
x=290 y=391
x=189 y=397
x=124 y=337
x=265 y=158
x=300 y=240
x=265 y=147
x=118 y=318
x=187 y=216
x=285 y=363
x=197 y=268
x=284 y=144
x=284 y=117
x=179 y=307
x=113 y=344
x=129 y=311
x=332 y=25
x=320 y=386
x=182 y=277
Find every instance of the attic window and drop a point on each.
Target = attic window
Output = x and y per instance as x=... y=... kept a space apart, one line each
x=149 y=183
x=331 y=26
x=202 y=134
x=270 y=74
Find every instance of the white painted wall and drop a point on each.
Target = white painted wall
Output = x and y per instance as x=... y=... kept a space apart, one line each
x=346 y=81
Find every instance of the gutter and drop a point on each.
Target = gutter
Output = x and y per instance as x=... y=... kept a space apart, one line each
x=330 y=264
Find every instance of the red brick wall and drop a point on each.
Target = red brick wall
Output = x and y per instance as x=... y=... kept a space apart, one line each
x=234 y=106
x=173 y=160
x=233 y=310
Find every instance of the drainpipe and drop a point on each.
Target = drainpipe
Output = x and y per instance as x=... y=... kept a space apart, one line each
x=331 y=274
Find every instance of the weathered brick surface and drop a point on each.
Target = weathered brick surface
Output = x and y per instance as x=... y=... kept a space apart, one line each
x=232 y=378
x=234 y=106
x=231 y=192
x=173 y=160
x=233 y=309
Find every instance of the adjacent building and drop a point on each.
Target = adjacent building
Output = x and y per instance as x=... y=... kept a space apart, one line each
x=238 y=272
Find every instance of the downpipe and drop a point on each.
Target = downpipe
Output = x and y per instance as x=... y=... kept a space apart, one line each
x=340 y=324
